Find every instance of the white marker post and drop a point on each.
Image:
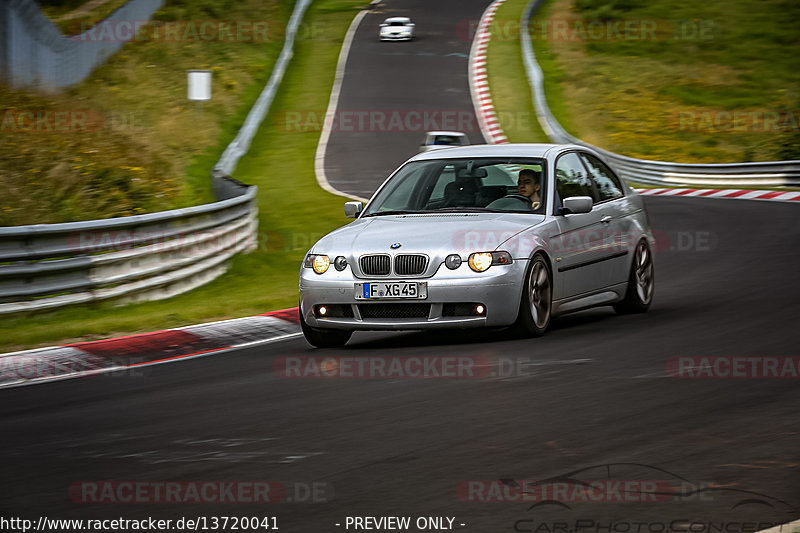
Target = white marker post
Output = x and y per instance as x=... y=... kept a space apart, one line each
x=198 y=87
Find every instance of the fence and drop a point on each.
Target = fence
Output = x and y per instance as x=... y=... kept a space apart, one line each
x=770 y=174
x=33 y=52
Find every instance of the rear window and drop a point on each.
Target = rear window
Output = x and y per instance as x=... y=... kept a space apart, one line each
x=447 y=140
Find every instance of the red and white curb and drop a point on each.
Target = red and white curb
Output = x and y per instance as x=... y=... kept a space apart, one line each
x=133 y=351
x=493 y=131
x=478 y=80
x=739 y=194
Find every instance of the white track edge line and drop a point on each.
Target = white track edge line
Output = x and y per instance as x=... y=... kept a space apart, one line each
x=333 y=103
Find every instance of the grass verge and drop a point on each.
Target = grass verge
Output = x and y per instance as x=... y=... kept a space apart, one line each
x=294 y=212
x=689 y=82
x=127 y=141
x=72 y=17
x=510 y=91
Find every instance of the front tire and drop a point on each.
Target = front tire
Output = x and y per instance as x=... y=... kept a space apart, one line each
x=641 y=282
x=323 y=337
x=536 y=304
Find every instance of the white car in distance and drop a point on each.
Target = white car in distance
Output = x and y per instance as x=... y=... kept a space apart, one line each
x=397 y=29
x=436 y=140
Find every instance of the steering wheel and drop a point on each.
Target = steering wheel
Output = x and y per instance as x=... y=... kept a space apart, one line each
x=501 y=204
x=520 y=197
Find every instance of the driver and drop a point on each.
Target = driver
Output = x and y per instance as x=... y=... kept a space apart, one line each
x=528 y=184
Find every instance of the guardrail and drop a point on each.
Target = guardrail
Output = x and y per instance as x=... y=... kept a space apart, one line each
x=769 y=174
x=142 y=257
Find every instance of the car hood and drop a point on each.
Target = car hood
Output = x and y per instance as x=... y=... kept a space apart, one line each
x=436 y=235
x=395 y=29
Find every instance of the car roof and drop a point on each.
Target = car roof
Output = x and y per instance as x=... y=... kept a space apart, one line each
x=398 y=19
x=453 y=133
x=496 y=150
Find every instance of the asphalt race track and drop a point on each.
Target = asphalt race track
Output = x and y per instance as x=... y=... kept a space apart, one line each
x=393 y=92
x=594 y=399
x=594 y=391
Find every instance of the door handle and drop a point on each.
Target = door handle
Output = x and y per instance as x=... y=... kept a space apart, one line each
x=606 y=219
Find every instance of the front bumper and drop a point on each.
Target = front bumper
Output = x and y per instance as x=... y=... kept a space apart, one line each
x=499 y=289
x=392 y=37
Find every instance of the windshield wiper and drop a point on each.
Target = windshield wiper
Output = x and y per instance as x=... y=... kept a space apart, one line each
x=464 y=209
x=391 y=212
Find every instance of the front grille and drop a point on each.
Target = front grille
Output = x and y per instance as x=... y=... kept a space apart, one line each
x=410 y=265
x=375 y=265
x=394 y=310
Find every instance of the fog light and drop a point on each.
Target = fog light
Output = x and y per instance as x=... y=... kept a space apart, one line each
x=480 y=309
x=322 y=310
x=452 y=261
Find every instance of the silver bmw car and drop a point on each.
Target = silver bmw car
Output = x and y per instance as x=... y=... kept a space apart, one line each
x=487 y=235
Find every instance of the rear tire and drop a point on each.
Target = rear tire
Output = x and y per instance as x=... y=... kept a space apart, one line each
x=641 y=282
x=323 y=337
x=536 y=305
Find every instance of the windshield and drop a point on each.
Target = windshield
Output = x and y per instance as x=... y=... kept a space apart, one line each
x=465 y=185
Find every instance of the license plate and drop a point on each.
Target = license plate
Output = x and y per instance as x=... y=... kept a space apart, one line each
x=379 y=290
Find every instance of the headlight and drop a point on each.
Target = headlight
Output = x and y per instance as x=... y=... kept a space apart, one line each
x=319 y=263
x=340 y=263
x=481 y=261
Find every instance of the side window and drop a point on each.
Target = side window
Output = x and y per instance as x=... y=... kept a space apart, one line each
x=571 y=178
x=448 y=175
x=498 y=176
x=400 y=193
x=608 y=185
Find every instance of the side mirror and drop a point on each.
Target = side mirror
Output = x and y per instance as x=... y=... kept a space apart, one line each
x=577 y=205
x=353 y=209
